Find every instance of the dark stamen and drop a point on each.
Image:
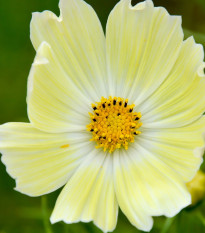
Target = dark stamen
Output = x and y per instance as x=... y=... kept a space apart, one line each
x=104 y=137
x=118 y=114
x=114 y=102
x=135 y=133
x=125 y=105
x=103 y=105
x=120 y=103
x=94 y=120
x=91 y=130
x=94 y=108
x=97 y=114
x=137 y=118
x=130 y=110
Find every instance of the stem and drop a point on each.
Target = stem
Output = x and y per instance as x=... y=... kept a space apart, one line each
x=167 y=225
x=45 y=215
x=201 y=217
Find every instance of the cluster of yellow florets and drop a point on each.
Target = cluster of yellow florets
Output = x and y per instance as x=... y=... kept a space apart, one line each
x=114 y=124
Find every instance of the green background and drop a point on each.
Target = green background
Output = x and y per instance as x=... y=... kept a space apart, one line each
x=22 y=214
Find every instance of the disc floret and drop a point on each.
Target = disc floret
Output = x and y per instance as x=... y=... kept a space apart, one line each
x=114 y=124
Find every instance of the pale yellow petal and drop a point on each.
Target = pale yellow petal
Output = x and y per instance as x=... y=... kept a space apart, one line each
x=180 y=100
x=180 y=148
x=40 y=162
x=78 y=42
x=69 y=69
x=145 y=187
x=89 y=195
x=127 y=189
x=54 y=103
x=143 y=43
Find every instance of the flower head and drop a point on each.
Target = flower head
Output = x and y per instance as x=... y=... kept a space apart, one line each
x=116 y=119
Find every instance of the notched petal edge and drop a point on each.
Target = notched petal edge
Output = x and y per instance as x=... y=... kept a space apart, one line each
x=141 y=6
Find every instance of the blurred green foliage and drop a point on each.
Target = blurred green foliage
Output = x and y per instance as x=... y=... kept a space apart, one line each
x=22 y=214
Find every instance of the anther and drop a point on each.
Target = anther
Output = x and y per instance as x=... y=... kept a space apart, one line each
x=130 y=110
x=94 y=107
x=103 y=105
x=114 y=102
x=137 y=118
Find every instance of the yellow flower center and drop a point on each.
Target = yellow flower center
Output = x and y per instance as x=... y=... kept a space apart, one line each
x=114 y=124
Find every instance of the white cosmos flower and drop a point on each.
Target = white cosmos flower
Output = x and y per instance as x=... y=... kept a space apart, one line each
x=142 y=169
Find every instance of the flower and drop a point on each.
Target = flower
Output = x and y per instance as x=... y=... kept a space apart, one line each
x=197 y=187
x=137 y=95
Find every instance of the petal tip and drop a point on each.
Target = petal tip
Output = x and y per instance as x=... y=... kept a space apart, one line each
x=186 y=202
x=141 y=6
x=148 y=226
x=40 y=58
x=53 y=220
x=201 y=70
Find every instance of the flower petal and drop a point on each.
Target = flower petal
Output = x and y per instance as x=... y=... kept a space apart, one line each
x=69 y=70
x=54 y=104
x=146 y=187
x=143 y=43
x=127 y=189
x=180 y=148
x=78 y=41
x=40 y=162
x=89 y=194
x=180 y=100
